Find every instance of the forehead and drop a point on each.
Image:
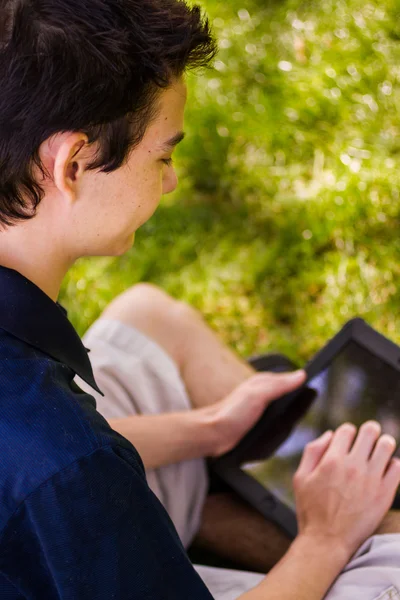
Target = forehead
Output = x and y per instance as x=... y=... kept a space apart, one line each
x=171 y=108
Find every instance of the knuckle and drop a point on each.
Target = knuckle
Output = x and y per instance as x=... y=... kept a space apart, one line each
x=259 y=379
x=250 y=386
x=352 y=471
x=250 y=383
x=273 y=382
x=329 y=465
x=276 y=378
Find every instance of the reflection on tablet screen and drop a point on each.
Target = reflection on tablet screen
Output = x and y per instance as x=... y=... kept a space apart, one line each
x=357 y=386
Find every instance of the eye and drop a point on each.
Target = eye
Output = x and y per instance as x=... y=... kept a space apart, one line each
x=167 y=161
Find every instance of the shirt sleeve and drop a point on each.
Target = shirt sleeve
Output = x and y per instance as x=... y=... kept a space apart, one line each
x=95 y=530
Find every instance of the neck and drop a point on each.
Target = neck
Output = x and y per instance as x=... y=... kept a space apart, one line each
x=36 y=255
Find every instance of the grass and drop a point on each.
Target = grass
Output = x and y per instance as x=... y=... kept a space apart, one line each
x=286 y=220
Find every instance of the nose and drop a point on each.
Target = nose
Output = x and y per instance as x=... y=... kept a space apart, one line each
x=170 y=181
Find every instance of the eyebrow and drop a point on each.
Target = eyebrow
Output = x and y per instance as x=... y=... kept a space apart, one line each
x=172 y=142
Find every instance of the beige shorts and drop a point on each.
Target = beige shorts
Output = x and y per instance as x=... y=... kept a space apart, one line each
x=138 y=377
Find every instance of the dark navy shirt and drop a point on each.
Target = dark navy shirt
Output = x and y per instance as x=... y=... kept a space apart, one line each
x=77 y=518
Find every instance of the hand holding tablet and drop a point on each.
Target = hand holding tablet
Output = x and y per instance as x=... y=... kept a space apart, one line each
x=355 y=378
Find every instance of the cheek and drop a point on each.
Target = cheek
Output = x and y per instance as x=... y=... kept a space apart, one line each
x=151 y=186
x=148 y=194
x=129 y=196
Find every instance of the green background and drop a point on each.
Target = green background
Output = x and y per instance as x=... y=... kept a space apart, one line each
x=285 y=223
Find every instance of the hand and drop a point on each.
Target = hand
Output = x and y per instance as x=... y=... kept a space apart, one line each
x=235 y=415
x=345 y=485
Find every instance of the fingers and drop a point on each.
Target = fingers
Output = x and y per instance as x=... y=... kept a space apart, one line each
x=368 y=447
x=367 y=437
x=313 y=454
x=392 y=477
x=273 y=385
x=383 y=452
x=342 y=440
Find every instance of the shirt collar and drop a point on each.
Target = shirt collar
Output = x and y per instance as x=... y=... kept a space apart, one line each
x=33 y=317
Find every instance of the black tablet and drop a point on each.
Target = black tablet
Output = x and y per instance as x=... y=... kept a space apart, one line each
x=355 y=377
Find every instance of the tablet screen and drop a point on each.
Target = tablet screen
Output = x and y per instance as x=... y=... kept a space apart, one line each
x=356 y=386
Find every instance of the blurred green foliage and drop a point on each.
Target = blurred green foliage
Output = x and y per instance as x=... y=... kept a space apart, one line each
x=285 y=223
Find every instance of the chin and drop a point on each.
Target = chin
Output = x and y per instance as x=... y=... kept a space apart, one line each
x=116 y=247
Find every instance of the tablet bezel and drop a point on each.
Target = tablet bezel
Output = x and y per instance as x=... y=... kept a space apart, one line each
x=228 y=467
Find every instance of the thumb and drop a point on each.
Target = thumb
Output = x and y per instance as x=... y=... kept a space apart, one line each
x=275 y=385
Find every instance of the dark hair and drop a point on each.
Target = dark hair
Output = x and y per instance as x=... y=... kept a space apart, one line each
x=95 y=66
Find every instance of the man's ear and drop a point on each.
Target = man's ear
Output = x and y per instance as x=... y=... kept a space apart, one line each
x=67 y=162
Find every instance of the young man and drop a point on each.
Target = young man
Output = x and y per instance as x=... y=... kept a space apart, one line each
x=91 y=107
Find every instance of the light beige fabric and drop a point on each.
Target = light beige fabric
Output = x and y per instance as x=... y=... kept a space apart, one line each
x=138 y=377
x=373 y=573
